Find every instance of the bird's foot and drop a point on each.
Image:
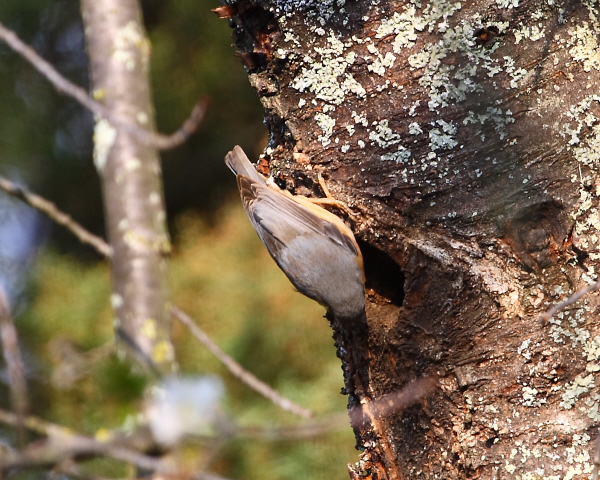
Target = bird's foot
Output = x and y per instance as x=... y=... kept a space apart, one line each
x=329 y=200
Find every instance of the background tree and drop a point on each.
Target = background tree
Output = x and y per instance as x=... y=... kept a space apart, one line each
x=465 y=137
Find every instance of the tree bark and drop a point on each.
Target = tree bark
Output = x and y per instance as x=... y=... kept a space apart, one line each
x=466 y=137
x=119 y=54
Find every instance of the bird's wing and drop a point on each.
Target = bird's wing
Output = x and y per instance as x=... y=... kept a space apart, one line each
x=239 y=164
x=278 y=218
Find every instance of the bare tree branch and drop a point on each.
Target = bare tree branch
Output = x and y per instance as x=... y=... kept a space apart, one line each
x=14 y=365
x=363 y=415
x=103 y=248
x=63 y=443
x=238 y=371
x=157 y=140
x=582 y=292
x=56 y=215
x=394 y=402
x=302 y=431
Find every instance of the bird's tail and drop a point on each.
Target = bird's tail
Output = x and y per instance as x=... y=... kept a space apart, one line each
x=238 y=163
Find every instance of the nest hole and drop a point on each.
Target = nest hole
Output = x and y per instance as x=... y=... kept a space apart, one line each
x=383 y=274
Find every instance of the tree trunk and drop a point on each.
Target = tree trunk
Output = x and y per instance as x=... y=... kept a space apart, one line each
x=130 y=172
x=466 y=137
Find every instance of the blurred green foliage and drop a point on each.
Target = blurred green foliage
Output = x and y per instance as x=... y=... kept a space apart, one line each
x=221 y=273
x=224 y=278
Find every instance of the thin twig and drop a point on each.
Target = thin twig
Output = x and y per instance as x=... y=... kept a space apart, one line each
x=77 y=446
x=372 y=413
x=361 y=415
x=103 y=248
x=63 y=443
x=14 y=366
x=157 y=140
x=238 y=371
x=167 y=142
x=394 y=402
x=570 y=301
x=302 y=431
x=56 y=215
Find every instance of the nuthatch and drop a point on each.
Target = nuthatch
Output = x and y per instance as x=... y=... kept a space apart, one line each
x=313 y=247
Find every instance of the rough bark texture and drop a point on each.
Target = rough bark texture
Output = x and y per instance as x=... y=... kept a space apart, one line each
x=466 y=136
x=119 y=54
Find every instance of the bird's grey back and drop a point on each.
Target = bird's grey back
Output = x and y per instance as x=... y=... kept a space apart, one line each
x=317 y=258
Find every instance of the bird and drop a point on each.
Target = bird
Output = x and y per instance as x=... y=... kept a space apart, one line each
x=313 y=247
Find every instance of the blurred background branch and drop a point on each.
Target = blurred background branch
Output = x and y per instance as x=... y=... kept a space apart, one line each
x=63 y=443
x=238 y=371
x=103 y=248
x=15 y=368
x=162 y=142
x=57 y=216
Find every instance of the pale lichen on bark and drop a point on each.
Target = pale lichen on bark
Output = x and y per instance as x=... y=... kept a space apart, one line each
x=468 y=136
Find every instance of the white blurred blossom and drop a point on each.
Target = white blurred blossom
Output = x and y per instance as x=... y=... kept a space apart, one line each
x=183 y=406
